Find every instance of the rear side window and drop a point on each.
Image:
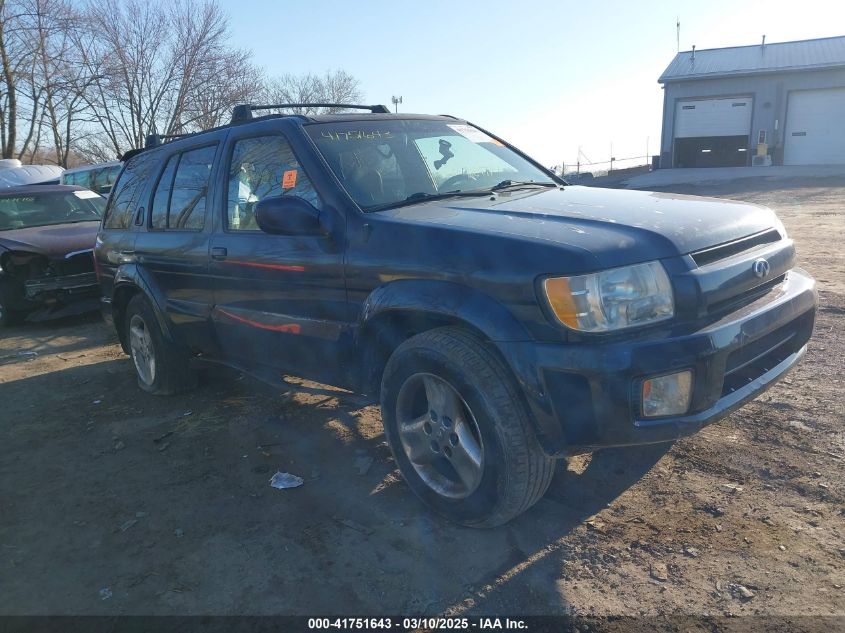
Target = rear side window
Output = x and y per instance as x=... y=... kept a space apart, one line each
x=180 y=198
x=127 y=192
x=161 y=199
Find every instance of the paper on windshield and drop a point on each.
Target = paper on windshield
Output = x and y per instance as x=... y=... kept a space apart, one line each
x=473 y=134
x=86 y=194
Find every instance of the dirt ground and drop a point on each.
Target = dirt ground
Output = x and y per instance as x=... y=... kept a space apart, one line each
x=113 y=501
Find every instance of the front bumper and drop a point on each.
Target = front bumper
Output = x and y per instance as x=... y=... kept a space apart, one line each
x=62 y=288
x=586 y=396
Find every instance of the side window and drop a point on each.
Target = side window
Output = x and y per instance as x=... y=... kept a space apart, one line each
x=180 y=197
x=261 y=167
x=161 y=199
x=124 y=199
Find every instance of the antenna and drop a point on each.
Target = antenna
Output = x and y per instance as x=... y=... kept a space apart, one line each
x=693 y=52
x=678 y=32
x=763 y=45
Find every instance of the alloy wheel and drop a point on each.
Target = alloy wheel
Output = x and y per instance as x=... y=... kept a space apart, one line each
x=143 y=352
x=440 y=436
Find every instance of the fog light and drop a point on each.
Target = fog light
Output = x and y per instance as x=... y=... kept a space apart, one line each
x=667 y=395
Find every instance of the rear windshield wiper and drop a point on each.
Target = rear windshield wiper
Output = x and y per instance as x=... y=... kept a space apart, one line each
x=519 y=184
x=422 y=196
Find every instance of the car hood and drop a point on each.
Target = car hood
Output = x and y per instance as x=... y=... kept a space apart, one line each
x=616 y=226
x=53 y=241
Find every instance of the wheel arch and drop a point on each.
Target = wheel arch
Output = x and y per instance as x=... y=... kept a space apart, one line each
x=396 y=311
x=129 y=282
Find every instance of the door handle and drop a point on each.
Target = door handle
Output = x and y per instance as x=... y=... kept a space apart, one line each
x=219 y=253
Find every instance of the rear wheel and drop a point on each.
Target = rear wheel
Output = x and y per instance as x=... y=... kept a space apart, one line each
x=459 y=430
x=161 y=366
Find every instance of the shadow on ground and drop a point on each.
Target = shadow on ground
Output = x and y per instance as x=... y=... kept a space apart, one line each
x=165 y=503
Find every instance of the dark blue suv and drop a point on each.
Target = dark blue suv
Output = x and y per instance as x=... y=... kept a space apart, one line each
x=501 y=317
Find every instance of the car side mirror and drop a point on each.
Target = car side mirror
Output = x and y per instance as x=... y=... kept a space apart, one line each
x=288 y=215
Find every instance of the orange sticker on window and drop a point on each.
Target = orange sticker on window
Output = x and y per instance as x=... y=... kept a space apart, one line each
x=289 y=179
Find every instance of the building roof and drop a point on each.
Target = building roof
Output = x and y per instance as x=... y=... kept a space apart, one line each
x=828 y=52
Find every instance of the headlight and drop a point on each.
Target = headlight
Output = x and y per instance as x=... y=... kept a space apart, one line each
x=612 y=299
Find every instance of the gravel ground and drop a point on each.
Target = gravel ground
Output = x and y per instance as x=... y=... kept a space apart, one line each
x=116 y=502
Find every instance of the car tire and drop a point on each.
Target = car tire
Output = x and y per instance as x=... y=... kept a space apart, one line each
x=459 y=430
x=162 y=367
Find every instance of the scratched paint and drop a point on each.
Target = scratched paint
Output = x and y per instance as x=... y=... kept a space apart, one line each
x=284 y=267
x=290 y=328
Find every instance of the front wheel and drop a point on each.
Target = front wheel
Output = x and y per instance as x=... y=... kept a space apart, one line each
x=161 y=366
x=459 y=430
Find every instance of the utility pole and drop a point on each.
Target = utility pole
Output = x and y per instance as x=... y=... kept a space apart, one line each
x=396 y=101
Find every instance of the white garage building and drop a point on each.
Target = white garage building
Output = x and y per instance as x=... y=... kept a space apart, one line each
x=782 y=103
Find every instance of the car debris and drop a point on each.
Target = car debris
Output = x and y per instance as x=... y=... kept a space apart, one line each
x=285 y=480
x=363 y=464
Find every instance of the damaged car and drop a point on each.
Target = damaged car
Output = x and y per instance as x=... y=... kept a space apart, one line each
x=502 y=317
x=47 y=235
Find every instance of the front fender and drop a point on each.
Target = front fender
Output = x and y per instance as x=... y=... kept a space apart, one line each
x=446 y=299
x=453 y=302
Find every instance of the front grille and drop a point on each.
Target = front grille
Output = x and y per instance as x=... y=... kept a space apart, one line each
x=744 y=298
x=750 y=361
x=723 y=251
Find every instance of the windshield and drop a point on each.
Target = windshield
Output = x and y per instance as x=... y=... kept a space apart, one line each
x=383 y=163
x=50 y=207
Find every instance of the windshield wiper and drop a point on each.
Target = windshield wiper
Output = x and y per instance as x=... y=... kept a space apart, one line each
x=422 y=196
x=518 y=184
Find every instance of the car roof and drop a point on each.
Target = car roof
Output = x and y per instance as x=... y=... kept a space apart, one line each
x=111 y=163
x=30 y=189
x=180 y=142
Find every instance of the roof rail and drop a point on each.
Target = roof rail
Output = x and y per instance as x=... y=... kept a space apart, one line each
x=154 y=140
x=243 y=112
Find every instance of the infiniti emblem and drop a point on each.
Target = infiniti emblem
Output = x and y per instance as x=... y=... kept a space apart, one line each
x=761 y=268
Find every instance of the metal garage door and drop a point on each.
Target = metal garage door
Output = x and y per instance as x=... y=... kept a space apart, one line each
x=713 y=117
x=815 y=128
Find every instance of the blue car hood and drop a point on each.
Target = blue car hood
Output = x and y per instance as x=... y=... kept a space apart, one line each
x=616 y=226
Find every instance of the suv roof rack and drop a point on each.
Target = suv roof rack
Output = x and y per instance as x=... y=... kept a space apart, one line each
x=244 y=111
x=154 y=140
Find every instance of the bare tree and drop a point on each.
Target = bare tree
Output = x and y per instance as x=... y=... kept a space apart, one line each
x=159 y=69
x=57 y=79
x=90 y=81
x=13 y=60
x=332 y=87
